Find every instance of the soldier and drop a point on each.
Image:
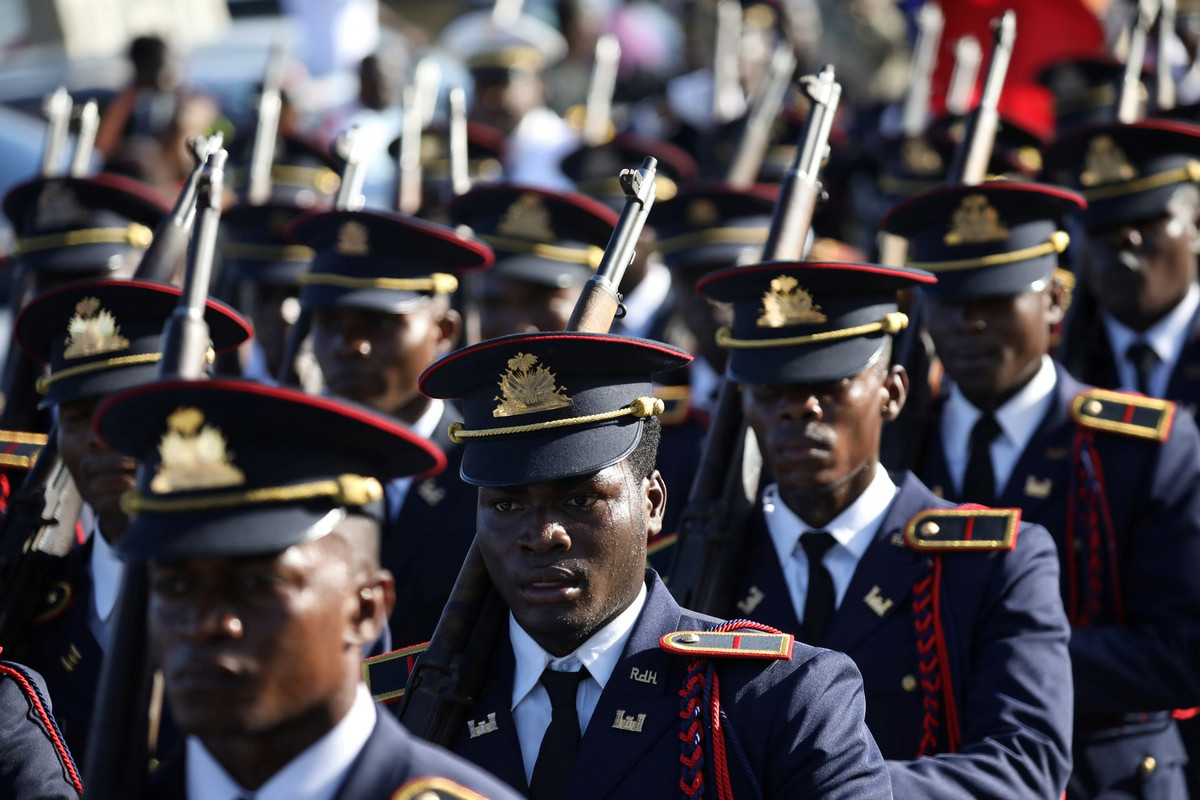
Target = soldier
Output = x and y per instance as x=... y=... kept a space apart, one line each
x=1114 y=477
x=952 y=614
x=258 y=512
x=378 y=291
x=597 y=665
x=97 y=337
x=35 y=763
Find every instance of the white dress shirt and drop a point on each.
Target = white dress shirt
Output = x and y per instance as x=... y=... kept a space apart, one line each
x=106 y=571
x=1166 y=337
x=425 y=426
x=599 y=655
x=853 y=530
x=316 y=774
x=1018 y=419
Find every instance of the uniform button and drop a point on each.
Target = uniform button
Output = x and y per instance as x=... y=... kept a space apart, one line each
x=909 y=683
x=1147 y=765
x=689 y=638
x=930 y=529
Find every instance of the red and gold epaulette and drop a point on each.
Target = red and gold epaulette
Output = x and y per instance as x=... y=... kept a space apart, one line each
x=1124 y=413
x=676 y=402
x=969 y=527
x=386 y=675
x=435 y=788
x=20 y=449
x=729 y=644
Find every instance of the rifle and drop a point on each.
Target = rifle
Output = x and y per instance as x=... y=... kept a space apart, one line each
x=971 y=157
x=419 y=100
x=1164 y=84
x=756 y=137
x=597 y=121
x=449 y=675
x=967 y=58
x=85 y=140
x=727 y=100
x=116 y=761
x=460 y=160
x=709 y=552
x=270 y=103
x=57 y=108
x=1129 y=106
x=930 y=23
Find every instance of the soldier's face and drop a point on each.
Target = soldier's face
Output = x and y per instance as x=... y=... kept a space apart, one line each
x=375 y=358
x=248 y=645
x=101 y=473
x=1140 y=270
x=824 y=437
x=992 y=346
x=508 y=306
x=568 y=556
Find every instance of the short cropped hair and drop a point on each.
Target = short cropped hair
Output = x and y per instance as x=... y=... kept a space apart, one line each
x=645 y=455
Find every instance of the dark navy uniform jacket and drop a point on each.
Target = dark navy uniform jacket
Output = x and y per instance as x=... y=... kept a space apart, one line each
x=391 y=758
x=426 y=543
x=34 y=763
x=1006 y=639
x=1127 y=676
x=799 y=721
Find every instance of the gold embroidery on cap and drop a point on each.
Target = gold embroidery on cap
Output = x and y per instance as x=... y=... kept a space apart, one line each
x=702 y=213
x=788 y=303
x=527 y=388
x=59 y=207
x=93 y=330
x=920 y=159
x=975 y=221
x=527 y=218
x=352 y=240
x=1105 y=163
x=193 y=456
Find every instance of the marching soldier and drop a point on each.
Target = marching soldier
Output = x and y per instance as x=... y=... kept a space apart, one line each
x=378 y=290
x=259 y=512
x=98 y=338
x=952 y=614
x=35 y=763
x=1113 y=476
x=597 y=665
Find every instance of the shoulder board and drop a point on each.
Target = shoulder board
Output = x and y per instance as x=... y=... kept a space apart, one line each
x=949 y=530
x=435 y=788
x=677 y=399
x=386 y=675
x=729 y=644
x=20 y=449
x=1124 y=413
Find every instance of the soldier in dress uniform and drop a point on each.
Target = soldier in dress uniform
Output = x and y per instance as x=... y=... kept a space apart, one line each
x=98 y=338
x=600 y=684
x=258 y=512
x=1137 y=245
x=378 y=291
x=1114 y=477
x=951 y=613
x=35 y=763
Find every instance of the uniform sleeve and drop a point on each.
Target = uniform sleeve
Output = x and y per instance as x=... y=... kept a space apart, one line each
x=1015 y=711
x=1150 y=663
x=34 y=762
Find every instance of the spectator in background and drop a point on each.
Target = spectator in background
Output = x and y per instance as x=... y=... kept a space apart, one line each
x=148 y=106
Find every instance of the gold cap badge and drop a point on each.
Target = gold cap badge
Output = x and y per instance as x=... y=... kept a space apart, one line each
x=193 y=456
x=788 y=303
x=527 y=387
x=920 y=159
x=352 y=240
x=1105 y=163
x=93 y=330
x=59 y=207
x=702 y=213
x=527 y=218
x=974 y=222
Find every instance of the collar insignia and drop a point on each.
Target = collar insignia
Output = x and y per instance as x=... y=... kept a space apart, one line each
x=974 y=222
x=1105 y=163
x=527 y=218
x=788 y=303
x=193 y=456
x=489 y=725
x=920 y=159
x=702 y=213
x=877 y=602
x=352 y=239
x=527 y=387
x=631 y=723
x=93 y=330
x=751 y=601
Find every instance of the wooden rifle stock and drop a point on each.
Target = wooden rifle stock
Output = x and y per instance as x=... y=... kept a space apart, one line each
x=449 y=675
x=969 y=166
x=117 y=757
x=710 y=550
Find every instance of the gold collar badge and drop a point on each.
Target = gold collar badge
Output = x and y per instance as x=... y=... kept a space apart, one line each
x=527 y=218
x=527 y=387
x=352 y=240
x=788 y=303
x=974 y=222
x=92 y=331
x=193 y=456
x=1105 y=163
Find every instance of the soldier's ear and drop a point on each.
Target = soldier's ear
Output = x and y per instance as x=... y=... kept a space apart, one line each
x=449 y=329
x=654 y=498
x=896 y=384
x=372 y=605
x=1058 y=298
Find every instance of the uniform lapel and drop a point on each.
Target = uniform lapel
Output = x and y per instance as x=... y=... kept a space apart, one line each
x=1042 y=473
x=1184 y=383
x=497 y=751
x=934 y=470
x=765 y=596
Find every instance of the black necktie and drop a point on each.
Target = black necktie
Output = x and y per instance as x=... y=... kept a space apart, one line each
x=979 y=481
x=820 y=602
x=1144 y=360
x=561 y=741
